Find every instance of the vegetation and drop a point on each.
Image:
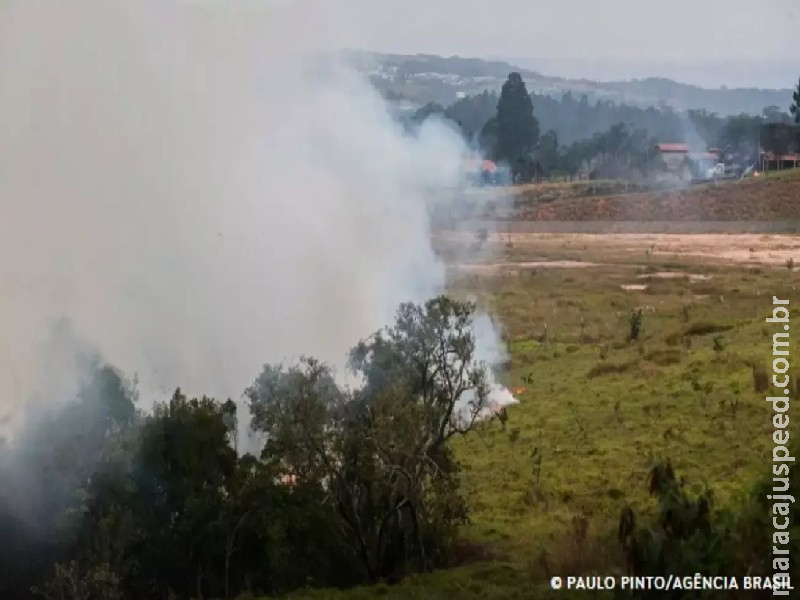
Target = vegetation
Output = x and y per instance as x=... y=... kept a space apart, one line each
x=678 y=438
x=513 y=133
x=380 y=485
x=794 y=109
x=351 y=486
x=607 y=139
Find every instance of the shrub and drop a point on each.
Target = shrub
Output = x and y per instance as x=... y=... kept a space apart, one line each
x=635 y=323
x=760 y=378
x=681 y=540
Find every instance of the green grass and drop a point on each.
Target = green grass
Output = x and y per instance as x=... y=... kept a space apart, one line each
x=780 y=174
x=598 y=409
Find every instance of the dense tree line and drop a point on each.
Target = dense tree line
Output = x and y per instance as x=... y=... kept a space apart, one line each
x=603 y=137
x=794 y=109
x=100 y=500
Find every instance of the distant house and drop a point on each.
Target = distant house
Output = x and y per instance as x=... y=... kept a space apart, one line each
x=769 y=161
x=672 y=160
x=483 y=171
x=703 y=165
x=489 y=167
x=673 y=155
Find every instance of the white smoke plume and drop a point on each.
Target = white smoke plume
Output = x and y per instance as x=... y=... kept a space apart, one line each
x=197 y=197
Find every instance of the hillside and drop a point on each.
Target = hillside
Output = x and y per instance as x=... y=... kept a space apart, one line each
x=770 y=198
x=419 y=79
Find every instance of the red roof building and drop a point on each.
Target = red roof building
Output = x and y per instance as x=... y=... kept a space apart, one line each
x=476 y=165
x=489 y=166
x=677 y=148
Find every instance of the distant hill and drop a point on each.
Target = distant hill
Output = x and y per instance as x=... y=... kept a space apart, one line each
x=775 y=73
x=419 y=79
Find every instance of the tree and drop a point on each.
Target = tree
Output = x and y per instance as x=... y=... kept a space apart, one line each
x=548 y=152
x=352 y=485
x=774 y=114
x=48 y=467
x=794 y=109
x=380 y=452
x=473 y=112
x=517 y=128
x=185 y=465
x=487 y=138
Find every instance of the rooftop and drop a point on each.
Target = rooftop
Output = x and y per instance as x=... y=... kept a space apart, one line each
x=672 y=148
x=783 y=158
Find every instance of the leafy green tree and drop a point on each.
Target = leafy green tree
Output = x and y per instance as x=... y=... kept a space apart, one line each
x=487 y=137
x=44 y=472
x=794 y=109
x=380 y=452
x=352 y=486
x=182 y=473
x=71 y=582
x=422 y=386
x=472 y=112
x=548 y=153
x=317 y=438
x=517 y=128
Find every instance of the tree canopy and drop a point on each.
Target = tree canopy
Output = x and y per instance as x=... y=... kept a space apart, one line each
x=100 y=501
x=515 y=132
x=583 y=136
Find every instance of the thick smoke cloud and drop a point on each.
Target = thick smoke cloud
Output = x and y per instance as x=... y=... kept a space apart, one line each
x=198 y=194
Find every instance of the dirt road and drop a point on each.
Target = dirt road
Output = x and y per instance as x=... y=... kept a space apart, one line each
x=571 y=250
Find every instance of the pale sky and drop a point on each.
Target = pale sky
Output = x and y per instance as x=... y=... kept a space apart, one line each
x=738 y=43
x=689 y=40
x=688 y=31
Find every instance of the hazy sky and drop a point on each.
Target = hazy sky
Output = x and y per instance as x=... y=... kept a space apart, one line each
x=611 y=39
x=758 y=40
x=674 y=30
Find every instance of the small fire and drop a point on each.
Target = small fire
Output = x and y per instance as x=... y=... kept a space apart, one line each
x=519 y=391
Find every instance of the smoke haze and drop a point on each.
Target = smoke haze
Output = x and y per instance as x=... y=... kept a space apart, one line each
x=197 y=197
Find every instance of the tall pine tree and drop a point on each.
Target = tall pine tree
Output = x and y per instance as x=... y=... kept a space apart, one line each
x=516 y=130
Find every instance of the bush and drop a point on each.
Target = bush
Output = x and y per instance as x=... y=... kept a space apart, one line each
x=688 y=535
x=760 y=378
x=682 y=539
x=635 y=323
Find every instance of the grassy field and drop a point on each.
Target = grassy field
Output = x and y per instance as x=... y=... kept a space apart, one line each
x=596 y=409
